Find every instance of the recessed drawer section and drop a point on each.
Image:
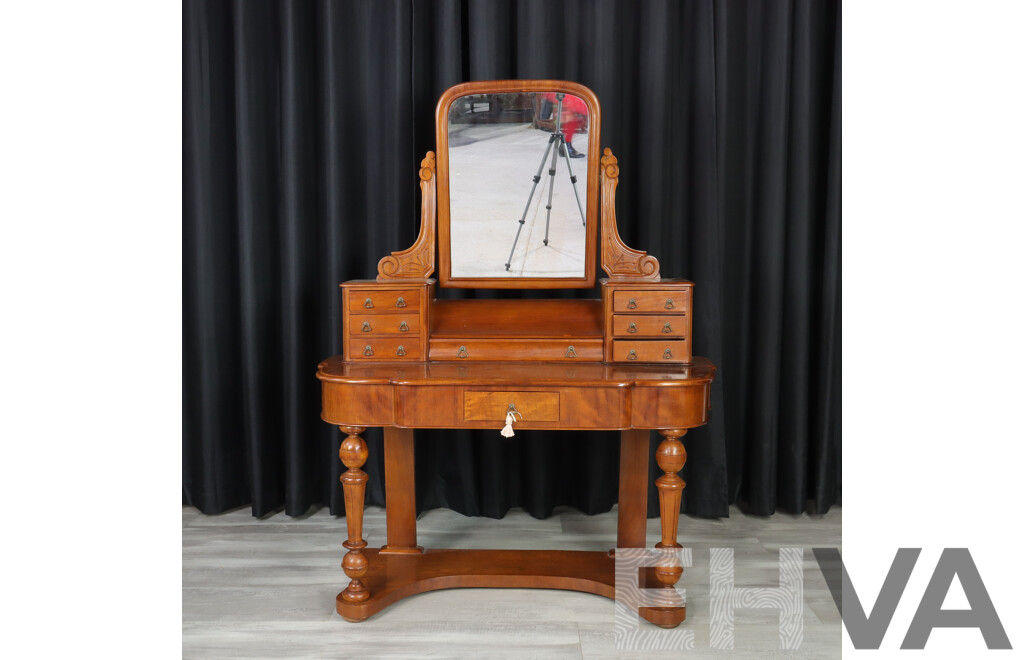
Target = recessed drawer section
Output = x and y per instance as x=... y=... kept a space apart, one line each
x=673 y=350
x=361 y=301
x=533 y=406
x=671 y=301
x=383 y=349
x=383 y=324
x=649 y=326
x=524 y=350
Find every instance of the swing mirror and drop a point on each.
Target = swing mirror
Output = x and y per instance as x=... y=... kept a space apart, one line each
x=517 y=184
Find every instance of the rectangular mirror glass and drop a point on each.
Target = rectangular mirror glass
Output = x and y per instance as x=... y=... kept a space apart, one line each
x=517 y=185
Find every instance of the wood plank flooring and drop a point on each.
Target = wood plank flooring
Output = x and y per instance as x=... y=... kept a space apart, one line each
x=265 y=589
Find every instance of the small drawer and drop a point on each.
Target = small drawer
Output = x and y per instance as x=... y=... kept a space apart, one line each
x=673 y=350
x=383 y=300
x=383 y=349
x=670 y=301
x=649 y=326
x=532 y=406
x=526 y=350
x=369 y=325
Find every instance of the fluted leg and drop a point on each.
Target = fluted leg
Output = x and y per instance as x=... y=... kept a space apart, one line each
x=353 y=454
x=671 y=457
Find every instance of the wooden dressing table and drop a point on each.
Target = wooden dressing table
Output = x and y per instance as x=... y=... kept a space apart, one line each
x=412 y=361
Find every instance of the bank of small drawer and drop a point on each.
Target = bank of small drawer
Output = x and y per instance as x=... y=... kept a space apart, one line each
x=372 y=325
x=588 y=350
x=375 y=301
x=396 y=348
x=644 y=302
x=484 y=406
x=672 y=350
x=663 y=326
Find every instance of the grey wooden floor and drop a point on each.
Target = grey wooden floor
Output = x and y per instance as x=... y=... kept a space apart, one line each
x=266 y=588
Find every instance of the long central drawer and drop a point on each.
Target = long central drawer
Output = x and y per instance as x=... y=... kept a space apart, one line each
x=574 y=350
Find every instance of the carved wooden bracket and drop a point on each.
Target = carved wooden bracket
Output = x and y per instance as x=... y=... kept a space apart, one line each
x=618 y=260
x=418 y=261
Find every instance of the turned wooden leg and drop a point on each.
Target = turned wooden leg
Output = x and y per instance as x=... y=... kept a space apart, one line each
x=353 y=454
x=671 y=457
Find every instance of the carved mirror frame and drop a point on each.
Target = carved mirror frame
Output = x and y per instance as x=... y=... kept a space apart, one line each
x=443 y=189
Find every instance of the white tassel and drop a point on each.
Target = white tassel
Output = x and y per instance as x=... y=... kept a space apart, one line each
x=507 y=432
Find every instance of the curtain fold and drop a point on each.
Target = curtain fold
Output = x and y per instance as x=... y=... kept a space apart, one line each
x=304 y=125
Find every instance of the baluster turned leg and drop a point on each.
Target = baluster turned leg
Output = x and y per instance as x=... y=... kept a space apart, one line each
x=671 y=457
x=353 y=454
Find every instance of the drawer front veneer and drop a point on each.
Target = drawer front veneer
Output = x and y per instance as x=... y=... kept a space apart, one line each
x=673 y=350
x=370 y=325
x=587 y=350
x=531 y=406
x=375 y=301
x=373 y=348
x=649 y=326
x=642 y=302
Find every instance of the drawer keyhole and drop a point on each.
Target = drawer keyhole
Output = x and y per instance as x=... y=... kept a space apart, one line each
x=632 y=304
x=368 y=304
x=667 y=328
x=668 y=354
x=632 y=355
x=400 y=303
x=368 y=351
x=404 y=327
x=463 y=353
x=571 y=353
x=366 y=327
x=400 y=351
x=632 y=328
x=669 y=305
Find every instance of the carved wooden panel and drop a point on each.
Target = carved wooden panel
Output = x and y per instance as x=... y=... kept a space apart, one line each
x=618 y=260
x=418 y=261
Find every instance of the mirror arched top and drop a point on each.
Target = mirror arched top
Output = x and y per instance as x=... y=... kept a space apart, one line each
x=518 y=185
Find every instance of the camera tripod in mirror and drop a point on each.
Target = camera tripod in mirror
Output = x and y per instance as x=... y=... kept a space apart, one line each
x=557 y=145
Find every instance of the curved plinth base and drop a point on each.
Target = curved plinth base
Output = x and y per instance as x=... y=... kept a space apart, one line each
x=392 y=577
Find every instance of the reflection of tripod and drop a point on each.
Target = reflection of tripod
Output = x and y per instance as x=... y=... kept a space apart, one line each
x=556 y=140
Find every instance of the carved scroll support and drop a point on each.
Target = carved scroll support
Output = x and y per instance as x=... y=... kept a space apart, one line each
x=617 y=259
x=418 y=261
x=671 y=457
x=353 y=454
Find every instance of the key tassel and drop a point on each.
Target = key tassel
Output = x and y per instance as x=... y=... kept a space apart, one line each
x=507 y=432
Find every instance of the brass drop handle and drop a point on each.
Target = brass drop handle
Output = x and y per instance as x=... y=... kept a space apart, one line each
x=366 y=327
x=401 y=302
x=368 y=304
x=401 y=351
x=571 y=353
x=667 y=328
x=463 y=353
x=669 y=305
x=632 y=355
x=632 y=328
x=368 y=351
x=632 y=304
x=667 y=354
x=404 y=327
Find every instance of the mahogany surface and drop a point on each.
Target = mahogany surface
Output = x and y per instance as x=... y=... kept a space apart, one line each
x=410 y=361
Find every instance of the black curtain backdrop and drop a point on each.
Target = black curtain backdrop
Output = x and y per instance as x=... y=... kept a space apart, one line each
x=304 y=126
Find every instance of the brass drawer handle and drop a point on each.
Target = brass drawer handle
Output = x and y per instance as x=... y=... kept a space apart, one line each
x=667 y=328
x=632 y=304
x=400 y=303
x=667 y=354
x=401 y=351
x=366 y=327
x=571 y=353
x=669 y=305
x=463 y=353
x=404 y=327
x=632 y=328
x=368 y=351
x=632 y=355
x=368 y=304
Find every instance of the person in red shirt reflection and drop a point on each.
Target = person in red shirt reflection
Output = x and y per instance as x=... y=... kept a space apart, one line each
x=574 y=117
